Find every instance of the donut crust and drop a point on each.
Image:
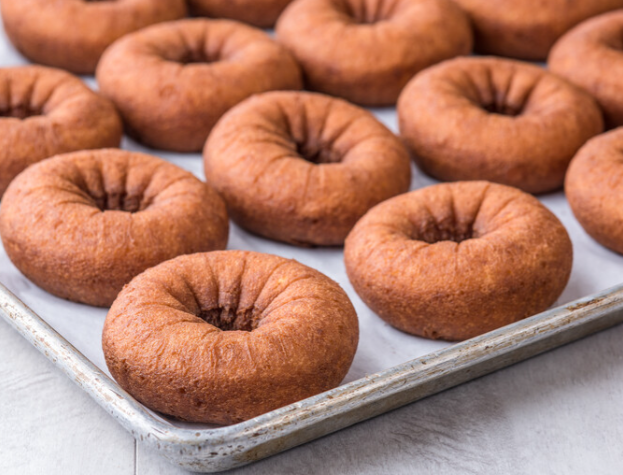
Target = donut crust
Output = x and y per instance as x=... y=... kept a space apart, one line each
x=365 y=51
x=527 y=29
x=594 y=189
x=301 y=167
x=72 y=35
x=45 y=112
x=591 y=56
x=497 y=120
x=260 y=13
x=222 y=337
x=172 y=82
x=82 y=225
x=455 y=260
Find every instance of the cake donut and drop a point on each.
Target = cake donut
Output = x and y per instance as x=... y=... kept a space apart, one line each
x=527 y=29
x=367 y=50
x=591 y=56
x=82 y=225
x=172 y=82
x=222 y=337
x=302 y=167
x=594 y=189
x=44 y=112
x=456 y=260
x=497 y=120
x=261 y=13
x=73 y=34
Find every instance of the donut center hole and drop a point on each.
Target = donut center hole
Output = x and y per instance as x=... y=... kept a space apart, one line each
x=119 y=202
x=20 y=112
x=198 y=56
x=434 y=232
x=230 y=319
x=362 y=15
x=316 y=153
x=502 y=109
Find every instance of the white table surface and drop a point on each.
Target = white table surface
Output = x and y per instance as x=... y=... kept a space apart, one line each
x=559 y=413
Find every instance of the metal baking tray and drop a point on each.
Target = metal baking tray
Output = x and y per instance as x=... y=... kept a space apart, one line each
x=213 y=450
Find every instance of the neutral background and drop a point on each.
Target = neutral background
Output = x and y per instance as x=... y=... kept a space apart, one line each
x=560 y=413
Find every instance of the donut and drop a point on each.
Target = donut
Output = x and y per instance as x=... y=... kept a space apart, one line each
x=497 y=120
x=172 y=82
x=222 y=337
x=527 y=29
x=367 y=50
x=82 y=225
x=45 y=112
x=594 y=189
x=456 y=260
x=301 y=167
x=591 y=56
x=73 y=34
x=261 y=13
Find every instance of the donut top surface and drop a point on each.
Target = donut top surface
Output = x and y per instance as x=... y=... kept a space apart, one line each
x=527 y=29
x=44 y=112
x=456 y=260
x=496 y=119
x=594 y=188
x=73 y=34
x=367 y=50
x=222 y=337
x=81 y=225
x=187 y=74
x=262 y=13
x=303 y=167
x=591 y=56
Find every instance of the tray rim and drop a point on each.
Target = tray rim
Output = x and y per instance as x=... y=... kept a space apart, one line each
x=228 y=445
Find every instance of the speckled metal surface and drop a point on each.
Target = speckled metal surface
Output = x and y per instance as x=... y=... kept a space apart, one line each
x=213 y=450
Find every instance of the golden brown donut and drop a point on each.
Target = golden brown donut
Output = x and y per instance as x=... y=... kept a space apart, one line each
x=367 y=50
x=262 y=13
x=302 y=167
x=83 y=224
x=44 y=112
x=594 y=189
x=456 y=260
x=498 y=120
x=222 y=337
x=527 y=29
x=73 y=34
x=172 y=82
x=591 y=56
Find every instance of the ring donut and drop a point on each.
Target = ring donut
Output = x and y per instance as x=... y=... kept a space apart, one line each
x=73 y=34
x=527 y=29
x=82 y=225
x=594 y=189
x=45 y=112
x=260 y=13
x=222 y=337
x=365 y=51
x=301 y=167
x=497 y=120
x=172 y=82
x=591 y=56
x=456 y=260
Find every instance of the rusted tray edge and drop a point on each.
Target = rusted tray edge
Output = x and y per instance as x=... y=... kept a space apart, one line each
x=228 y=447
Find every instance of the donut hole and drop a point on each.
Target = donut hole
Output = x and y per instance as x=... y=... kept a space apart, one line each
x=433 y=231
x=359 y=12
x=317 y=153
x=114 y=200
x=502 y=109
x=230 y=319
x=20 y=112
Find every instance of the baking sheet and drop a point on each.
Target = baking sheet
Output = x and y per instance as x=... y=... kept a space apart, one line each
x=380 y=347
